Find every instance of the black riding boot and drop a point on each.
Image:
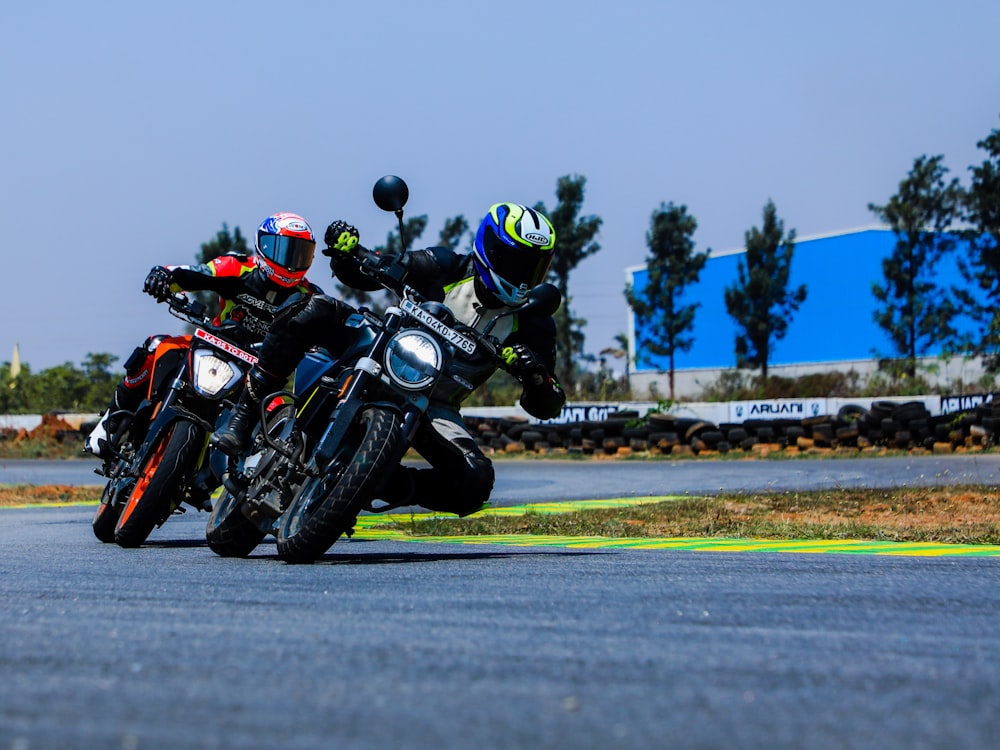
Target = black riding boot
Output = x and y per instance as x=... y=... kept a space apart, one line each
x=399 y=490
x=235 y=438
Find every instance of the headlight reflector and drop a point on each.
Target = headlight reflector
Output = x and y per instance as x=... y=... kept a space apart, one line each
x=413 y=359
x=213 y=375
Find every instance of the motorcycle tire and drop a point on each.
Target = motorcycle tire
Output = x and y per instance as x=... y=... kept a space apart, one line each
x=327 y=506
x=105 y=517
x=161 y=479
x=229 y=532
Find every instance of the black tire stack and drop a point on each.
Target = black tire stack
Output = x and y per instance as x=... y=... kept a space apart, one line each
x=883 y=425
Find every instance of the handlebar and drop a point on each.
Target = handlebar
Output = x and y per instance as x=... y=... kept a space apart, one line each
x=188 y=309
x=191 y=311
x=385 y=269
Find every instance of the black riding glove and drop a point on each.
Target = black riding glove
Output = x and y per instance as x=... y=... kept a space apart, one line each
x=524 y=365
x=340 y=237
x=157 y=283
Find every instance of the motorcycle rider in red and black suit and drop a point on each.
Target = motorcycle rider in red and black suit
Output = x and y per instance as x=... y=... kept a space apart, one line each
x=512 y=252
x=252 y=289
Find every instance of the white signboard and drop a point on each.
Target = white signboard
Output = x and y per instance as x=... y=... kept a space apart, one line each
x=779 y=408
x=968 y=402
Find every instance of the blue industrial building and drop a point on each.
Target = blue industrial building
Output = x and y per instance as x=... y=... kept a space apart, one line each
x=835 y=324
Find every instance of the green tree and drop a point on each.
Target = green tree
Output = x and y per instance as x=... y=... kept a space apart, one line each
x=914 y=311
x=223 y=243
x=97 y=368
x=760 y=302
x=14 y=393
x=671 y=265
x=982 y=269
x=574 y=242
x=64 y=387
x=619 y=351
x=453 y=232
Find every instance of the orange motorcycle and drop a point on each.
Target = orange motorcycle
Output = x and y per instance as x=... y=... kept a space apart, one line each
x=161 y=459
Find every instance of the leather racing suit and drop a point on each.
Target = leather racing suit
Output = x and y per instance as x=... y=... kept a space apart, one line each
x=245 y=296
x=461 y=477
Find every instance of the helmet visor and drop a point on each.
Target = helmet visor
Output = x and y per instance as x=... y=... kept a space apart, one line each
x=293 y=253
x=516 y=264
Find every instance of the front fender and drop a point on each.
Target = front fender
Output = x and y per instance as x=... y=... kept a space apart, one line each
x=165 y=417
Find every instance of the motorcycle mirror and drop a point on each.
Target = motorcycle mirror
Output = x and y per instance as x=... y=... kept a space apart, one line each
x=391 y=193
x=544 y=298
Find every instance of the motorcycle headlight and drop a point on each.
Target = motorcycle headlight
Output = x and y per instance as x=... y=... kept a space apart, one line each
x=413 y=359
x=213 y=375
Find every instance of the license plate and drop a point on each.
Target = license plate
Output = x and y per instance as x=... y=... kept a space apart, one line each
x=467 y=345
x=224 y=346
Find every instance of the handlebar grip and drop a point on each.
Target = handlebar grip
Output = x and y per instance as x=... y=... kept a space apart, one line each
x=385 y=269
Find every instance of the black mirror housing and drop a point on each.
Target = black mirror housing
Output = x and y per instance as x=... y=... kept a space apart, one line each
x=544 y=299
x=391 y=193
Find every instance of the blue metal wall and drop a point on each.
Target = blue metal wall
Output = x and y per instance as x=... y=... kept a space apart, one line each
x=835 y=323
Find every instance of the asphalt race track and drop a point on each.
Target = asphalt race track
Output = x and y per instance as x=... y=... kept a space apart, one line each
x=421 y=645
x=520 y=481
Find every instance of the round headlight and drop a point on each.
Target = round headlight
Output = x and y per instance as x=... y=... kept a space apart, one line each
x=413 y=359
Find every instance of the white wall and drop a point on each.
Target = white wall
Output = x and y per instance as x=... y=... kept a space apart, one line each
x=690 y=384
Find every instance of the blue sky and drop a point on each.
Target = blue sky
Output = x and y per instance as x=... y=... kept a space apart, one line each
x=132 y=131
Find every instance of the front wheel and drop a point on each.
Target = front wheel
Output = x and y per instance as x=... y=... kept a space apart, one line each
x=161 y=480
x=229 y=532
x=327 y=506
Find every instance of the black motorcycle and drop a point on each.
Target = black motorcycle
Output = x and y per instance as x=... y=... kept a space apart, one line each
x=322 y=456
x=160 y=453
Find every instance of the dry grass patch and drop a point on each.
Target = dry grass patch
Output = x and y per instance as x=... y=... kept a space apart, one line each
x=28 y=494
x=962 y=514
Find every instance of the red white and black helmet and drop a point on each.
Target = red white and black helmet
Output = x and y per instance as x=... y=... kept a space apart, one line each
x=284 y=246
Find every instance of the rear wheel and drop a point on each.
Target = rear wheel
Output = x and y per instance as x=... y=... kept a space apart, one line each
x=105 y=517
x=229 y=532
x=118 y=486
x=161 y=480
x=327 y=506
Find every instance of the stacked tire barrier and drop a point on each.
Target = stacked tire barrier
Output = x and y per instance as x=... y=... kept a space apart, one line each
x=884 y=426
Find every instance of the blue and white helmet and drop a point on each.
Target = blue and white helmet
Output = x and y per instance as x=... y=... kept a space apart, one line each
x=513 y=250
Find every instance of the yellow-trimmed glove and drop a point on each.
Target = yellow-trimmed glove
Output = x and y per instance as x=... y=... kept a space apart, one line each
x=340 y=237
x=523 y=364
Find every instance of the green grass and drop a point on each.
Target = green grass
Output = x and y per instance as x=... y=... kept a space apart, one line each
x=956 y=515
x=966 y=515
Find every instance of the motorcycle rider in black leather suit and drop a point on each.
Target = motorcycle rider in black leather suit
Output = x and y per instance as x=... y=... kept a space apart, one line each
x=512 y=252
x=251 y=289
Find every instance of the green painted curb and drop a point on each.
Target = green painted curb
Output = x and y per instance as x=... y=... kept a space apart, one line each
x=364 y=529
